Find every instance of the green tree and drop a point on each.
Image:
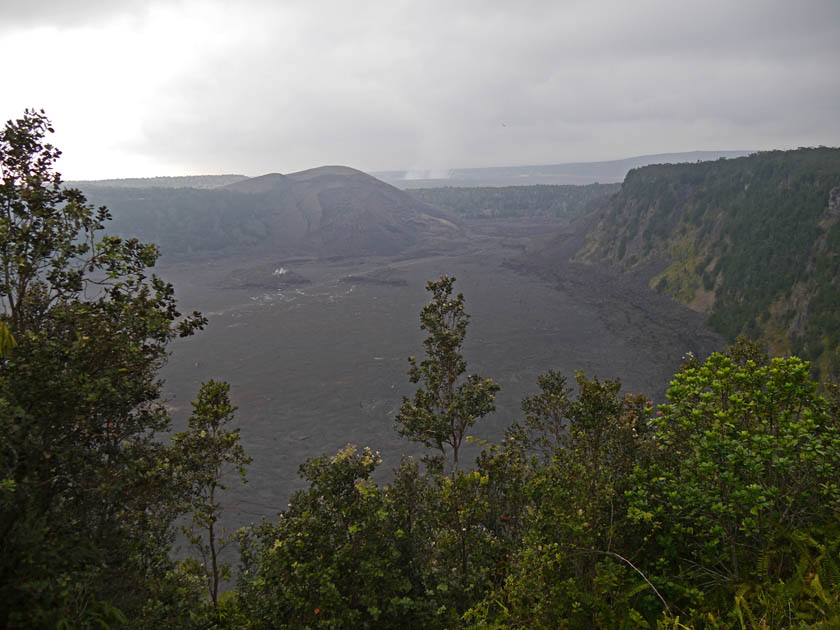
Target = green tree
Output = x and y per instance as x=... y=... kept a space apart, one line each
x=87 y=494
x=445 y=405
x=343 y=555
x=7 y=341
x=576 y=561
x=206 y=453
x=744 y=490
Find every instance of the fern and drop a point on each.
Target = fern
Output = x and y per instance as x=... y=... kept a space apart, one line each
x=829 y=569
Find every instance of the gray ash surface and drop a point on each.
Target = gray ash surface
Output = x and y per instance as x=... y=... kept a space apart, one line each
x=315 y=366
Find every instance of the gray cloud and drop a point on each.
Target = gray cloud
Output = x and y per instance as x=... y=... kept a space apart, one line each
x=376 y=85
x=64 y=13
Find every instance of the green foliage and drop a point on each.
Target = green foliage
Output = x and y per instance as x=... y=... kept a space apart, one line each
x=465 y=547
x=764 y=236
x=345 y=554
x=86 y=490
x=638 y=520
x=745 y=461
x=7 y=341
x=204 y=455
x=560 y=202
x=184 y=221
x=444 y=406
x=348 y=553
x=574 y=565
x=201 y=182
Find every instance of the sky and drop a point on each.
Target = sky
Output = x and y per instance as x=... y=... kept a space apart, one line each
x=140 y=88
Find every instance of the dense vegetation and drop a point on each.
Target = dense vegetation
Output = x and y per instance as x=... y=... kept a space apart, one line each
x=559 y=202
x=719 y=509
x=89 y=494
x=755 y=242
x=189 y=181
x=187 y=220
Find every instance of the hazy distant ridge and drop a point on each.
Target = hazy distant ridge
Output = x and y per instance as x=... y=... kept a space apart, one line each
x=575 y=173
x=187 y=181
x=579 y=173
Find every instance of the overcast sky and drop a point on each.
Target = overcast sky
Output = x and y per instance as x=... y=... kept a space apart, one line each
x=142 y=88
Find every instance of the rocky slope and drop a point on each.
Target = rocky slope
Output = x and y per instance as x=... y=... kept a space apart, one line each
x=339 y=211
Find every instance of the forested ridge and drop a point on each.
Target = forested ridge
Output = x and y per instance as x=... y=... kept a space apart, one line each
x=754 y=242
x=558 y=202
x=189 y=181
x=719 y=508
x=184 y=221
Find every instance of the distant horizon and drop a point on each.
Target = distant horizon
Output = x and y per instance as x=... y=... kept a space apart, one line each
x=582 y=162
x=451 y=169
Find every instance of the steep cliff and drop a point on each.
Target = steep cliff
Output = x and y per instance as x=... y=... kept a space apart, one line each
x=753 y=242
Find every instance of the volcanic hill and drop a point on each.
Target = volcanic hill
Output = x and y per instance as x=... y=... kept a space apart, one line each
x=339 y=211
x=323 y=212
